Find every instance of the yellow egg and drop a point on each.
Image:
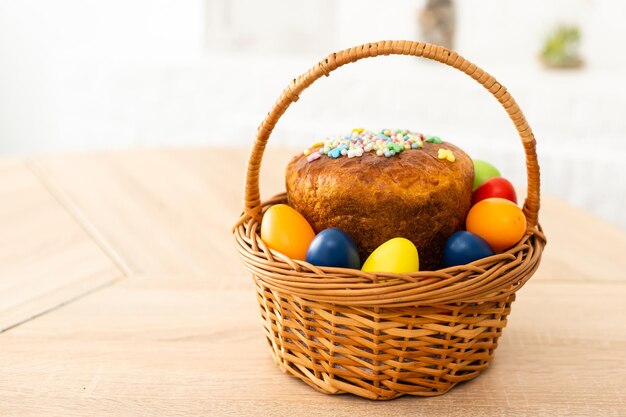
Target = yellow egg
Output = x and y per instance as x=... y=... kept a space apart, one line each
x=397 y=255
x=287 y=231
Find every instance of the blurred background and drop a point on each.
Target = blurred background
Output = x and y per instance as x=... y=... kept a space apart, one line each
x=85 y=75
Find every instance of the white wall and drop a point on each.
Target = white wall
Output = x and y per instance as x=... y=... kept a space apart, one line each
x=72 y=71
x=89 y=74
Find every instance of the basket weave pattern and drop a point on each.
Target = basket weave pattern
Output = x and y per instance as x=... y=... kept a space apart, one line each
x=384 y=335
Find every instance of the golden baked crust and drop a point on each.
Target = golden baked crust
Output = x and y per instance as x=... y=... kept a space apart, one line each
x=413 y=195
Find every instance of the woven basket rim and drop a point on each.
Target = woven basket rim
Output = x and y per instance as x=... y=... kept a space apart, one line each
x=478 y=281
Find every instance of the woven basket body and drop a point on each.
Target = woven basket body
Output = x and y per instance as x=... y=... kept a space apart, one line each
x=381 y=336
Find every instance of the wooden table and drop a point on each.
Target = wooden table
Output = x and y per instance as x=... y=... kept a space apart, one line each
x=121 y=294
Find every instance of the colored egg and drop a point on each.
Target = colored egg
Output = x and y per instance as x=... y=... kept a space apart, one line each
x=495 y=187
x=464 y=247
x=287 y=231
x=397 y=255
x=333 y=247
x=483 y=171
x=500 y=222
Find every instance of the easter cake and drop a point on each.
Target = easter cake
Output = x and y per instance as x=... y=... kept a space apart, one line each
x=379 y=185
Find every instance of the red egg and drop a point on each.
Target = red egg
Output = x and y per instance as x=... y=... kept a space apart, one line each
x=495 y=187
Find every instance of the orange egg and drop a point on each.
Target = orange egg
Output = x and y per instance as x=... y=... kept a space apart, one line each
x=287 y=231
x=500 y=222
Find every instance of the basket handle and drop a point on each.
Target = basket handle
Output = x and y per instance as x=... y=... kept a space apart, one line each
x=252 y=201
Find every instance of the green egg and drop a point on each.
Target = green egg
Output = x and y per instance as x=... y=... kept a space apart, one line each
x=483 y=171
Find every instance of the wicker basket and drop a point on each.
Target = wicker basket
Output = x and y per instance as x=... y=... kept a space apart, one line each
x=381 y=336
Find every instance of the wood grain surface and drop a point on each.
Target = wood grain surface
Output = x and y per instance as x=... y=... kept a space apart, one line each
x=46 y=256
x=157 y=316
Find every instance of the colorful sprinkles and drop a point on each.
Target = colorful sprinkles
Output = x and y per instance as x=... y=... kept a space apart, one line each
x=383 y=142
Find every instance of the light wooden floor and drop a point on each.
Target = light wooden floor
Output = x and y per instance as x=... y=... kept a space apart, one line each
x=121 y=294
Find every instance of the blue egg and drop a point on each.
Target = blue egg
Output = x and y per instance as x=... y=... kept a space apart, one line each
x=333 y=247
x=465 y=247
